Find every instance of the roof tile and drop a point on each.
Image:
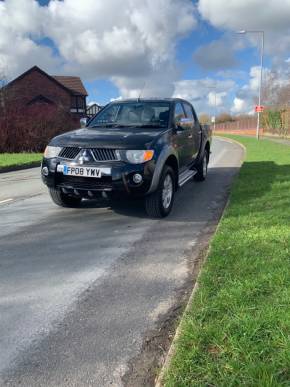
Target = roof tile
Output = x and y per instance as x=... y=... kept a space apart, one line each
x=73 y=83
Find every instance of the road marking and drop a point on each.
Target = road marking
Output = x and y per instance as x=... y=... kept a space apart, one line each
x=6 y=201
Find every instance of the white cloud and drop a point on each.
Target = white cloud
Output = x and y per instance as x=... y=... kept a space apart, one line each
x=250 y=89
x=239 y=106
x=216 y=99
x=159 y=83
x=255 y=78
x=201 y=93
x=21 y=17
x=246 y=14
x=116 y=99
x=123 y=40
x=247 y=95
x=271 y=16
x=21 y=24
x=134 y=44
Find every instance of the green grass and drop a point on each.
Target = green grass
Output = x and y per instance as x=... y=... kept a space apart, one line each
x=237 y=331
x=16 y=159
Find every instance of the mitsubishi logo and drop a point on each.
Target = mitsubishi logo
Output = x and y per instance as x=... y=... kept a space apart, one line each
x=85 y=157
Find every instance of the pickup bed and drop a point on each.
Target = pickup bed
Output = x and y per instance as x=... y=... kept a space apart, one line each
x=139 y=148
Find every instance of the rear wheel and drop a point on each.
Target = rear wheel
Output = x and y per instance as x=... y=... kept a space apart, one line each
x=201 y=167
x=62 y=199
x=159 y=203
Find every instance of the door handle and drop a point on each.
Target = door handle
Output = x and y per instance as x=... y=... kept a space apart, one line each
x=190 y=136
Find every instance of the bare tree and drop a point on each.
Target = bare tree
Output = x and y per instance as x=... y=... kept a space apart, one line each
x=276 y=98
x=204 y=119
x=275 y=93
x=224 y=117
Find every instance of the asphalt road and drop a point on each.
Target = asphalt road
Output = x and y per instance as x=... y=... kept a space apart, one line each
x=81 y=288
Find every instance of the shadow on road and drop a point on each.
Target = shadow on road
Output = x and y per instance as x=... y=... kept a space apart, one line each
x=199 y=191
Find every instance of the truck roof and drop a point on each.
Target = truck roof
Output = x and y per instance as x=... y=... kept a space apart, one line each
x=150 y=99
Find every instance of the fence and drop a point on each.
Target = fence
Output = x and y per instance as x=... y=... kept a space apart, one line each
x=275 y=121
x=245 y=126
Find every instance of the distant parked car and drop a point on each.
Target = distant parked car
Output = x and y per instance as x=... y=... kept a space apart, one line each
x=139 y=148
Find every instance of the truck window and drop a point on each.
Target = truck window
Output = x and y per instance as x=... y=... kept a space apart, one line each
x=189 y=111
x=179 y=112
x=155 y=113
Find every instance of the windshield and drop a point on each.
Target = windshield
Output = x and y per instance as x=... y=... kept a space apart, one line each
x=137 y=114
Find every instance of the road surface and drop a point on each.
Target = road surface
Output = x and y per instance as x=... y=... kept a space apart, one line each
x=80 y=289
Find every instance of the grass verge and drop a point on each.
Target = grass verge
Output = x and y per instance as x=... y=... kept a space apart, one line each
x=18 y=159
x=237 y=329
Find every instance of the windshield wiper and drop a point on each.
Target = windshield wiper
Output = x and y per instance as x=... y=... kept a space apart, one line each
x=150 y=126
x=111 y=126
x=115 y=125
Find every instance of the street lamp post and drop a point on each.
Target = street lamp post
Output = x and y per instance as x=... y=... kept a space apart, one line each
x=261 y=72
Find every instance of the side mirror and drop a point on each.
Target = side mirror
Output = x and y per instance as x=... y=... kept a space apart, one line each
x=180 y=124
x=83 y=122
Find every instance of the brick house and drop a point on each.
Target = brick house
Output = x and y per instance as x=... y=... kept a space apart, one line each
x=37 y=87
x=36 y=106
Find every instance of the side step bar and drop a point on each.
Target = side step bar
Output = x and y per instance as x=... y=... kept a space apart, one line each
x=185 y=176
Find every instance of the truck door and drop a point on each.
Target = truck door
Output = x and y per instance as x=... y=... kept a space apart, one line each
x=195 y=129
x=183 y=136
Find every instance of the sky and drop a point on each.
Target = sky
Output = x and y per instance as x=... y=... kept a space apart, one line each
x=152 y=48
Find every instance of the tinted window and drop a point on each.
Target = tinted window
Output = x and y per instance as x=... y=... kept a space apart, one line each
x=107 y=115
x=188 y=111
x=179 y=112
x=155 y=114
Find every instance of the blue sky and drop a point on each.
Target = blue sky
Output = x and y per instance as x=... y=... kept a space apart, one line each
x=173 y=47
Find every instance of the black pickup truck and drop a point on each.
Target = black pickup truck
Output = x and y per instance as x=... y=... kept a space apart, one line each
x=139 y=148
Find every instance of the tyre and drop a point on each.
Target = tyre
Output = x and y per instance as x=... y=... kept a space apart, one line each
x=201 y=167
x=62 y=199
x=159 y=203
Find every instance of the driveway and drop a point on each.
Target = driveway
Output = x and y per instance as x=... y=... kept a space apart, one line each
x=82 y=290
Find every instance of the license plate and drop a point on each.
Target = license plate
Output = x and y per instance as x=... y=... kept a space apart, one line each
x=77 y=170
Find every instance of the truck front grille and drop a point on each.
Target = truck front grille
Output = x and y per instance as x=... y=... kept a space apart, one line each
x=69 y=152
x=100 y=154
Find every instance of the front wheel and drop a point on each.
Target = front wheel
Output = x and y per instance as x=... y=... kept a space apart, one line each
x=63 y=200
x=201 y=167
x=159 y=203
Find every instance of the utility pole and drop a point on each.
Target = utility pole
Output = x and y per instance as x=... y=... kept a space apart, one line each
x=261 y=72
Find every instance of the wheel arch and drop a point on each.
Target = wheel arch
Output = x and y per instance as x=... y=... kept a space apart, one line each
x=207 y=148
x=167 y=156
x=173 y=163
x=204 y=146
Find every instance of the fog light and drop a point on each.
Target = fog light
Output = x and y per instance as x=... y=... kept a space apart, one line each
x=45 y=171
x=137 y=178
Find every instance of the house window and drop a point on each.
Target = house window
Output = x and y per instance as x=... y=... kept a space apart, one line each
x=78 y=104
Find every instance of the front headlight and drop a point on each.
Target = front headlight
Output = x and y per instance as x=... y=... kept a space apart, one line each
x=139 y=156
x=52 y=151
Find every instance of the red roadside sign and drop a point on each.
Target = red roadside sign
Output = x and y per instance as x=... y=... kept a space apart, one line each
x=259 y=108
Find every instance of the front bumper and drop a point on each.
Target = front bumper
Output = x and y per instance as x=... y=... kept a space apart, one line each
x=119 y=180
